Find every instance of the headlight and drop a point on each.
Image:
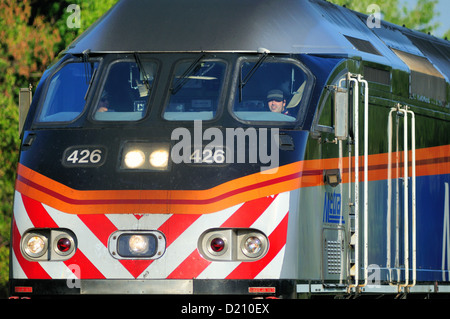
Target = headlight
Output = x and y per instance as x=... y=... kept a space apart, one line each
x=159 y=158
x=138 y=244
x=134 y=159
x=145 y=156
x=34 y=245
x=252 y=246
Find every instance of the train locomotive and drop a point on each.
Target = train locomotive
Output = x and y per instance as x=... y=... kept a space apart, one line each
x=271 y=148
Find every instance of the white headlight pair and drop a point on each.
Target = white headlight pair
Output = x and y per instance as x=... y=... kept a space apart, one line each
x=145 y=156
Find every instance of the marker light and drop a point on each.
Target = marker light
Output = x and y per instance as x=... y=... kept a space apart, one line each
x=64 y=244
x=159 y=158
x=134 y=158
x=217 y=244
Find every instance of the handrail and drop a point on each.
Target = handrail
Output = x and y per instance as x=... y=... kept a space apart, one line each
x=356 y=199
x=366 y=178
x=389 y=193
x=413 y=195
x=356 y=79
x=389 y=199
x=405 y=198
x=406 y=221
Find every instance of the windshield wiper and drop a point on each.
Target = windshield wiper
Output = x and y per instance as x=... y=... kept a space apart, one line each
x=248 y=76
x=185 y=76
x=89 y=75
x=90 y=84
x=142 y=71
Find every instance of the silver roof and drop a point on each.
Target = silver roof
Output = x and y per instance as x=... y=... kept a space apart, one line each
x=210 y=25
x=279 y=26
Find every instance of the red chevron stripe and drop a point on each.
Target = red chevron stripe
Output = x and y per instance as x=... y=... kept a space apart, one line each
x=248 y=213
x=37 y=213
x=175 y=226
x=41 y=219
x=87 y=268
x=277 y=241
x=102 y=228
x=99 y=225
x=193 y=265
x=244 y=217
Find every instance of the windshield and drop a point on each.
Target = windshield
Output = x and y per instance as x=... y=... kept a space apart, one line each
x=66 y=92
x=196 y=90
x=273 y=91
x=126 y=90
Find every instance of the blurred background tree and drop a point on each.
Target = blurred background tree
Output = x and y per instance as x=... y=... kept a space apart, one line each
x=417 y=18
x=32 y=33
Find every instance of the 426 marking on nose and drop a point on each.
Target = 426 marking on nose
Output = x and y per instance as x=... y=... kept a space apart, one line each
x=76 y=156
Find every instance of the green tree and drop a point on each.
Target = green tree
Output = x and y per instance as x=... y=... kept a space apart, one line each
x=447 y=35
x=27 y=45
x=32 y=33
x=418 y=18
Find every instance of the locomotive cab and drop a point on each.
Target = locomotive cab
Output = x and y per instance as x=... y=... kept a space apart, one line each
x=271 y=153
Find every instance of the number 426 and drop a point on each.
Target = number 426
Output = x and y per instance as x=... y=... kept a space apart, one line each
x=84 y=156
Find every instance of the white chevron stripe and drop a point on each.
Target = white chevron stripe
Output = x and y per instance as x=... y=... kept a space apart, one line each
x=90 y=245
x=273 y=215
x=186 y=243
x=18 y=272
x=273 y=269
x=175 y=254
x=218 y=269
x=267 y=222
x=147 y=222
x=23 y=222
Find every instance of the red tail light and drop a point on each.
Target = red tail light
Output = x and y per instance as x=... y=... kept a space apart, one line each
x=217 y=244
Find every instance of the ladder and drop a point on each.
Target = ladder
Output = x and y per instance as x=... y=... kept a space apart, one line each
x=401 y=112
x=356 y=80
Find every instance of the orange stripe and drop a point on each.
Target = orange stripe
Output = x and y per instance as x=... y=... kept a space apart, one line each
x=430 y=161
x=61 y=197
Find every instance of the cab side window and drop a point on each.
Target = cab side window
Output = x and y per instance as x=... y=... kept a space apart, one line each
x=270 y=91
x=66 y=91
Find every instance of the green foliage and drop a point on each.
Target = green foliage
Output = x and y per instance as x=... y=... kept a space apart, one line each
x=32 y=33
x=27 y=45
x=447 y=35
x=418 y=18
x=90 y=11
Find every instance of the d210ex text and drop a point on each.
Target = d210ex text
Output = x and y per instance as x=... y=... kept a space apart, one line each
x=247 y=308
